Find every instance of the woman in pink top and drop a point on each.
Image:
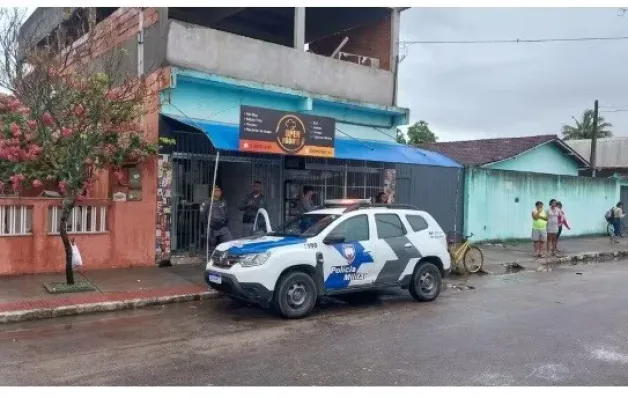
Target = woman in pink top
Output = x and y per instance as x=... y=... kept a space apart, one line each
x=562 y=220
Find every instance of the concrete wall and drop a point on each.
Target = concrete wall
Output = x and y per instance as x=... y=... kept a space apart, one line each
x=128 y=242
x=498 y=204
x=213 y=51
x=546 y=159
x=221 y=104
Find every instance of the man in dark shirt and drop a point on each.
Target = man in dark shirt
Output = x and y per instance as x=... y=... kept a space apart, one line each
x=218 y=224
x=306 y=202
x=250 y=204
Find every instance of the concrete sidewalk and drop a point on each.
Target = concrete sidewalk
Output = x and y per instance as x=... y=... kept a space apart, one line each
x=501 y=258
x=24 y=297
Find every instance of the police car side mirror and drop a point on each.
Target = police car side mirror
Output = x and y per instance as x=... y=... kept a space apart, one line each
x=333 y=239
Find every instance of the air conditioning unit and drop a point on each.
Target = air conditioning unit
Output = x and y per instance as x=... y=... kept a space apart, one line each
x=359 y=59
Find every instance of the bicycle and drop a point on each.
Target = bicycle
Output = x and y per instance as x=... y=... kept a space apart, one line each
x=610 y=230
x=471 y=256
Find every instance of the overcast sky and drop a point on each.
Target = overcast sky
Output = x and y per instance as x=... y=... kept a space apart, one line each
x=494 y=90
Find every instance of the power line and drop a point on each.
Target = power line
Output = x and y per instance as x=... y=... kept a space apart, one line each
x=514 y=41
x=614 y=110
x=614 y=107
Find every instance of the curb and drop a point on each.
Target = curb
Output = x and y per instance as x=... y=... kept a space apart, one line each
x=78 y=309
x=573 y=260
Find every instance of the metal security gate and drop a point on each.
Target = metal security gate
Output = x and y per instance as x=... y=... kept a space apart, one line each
x=192 y=177
x=193 y=163
x=623 y=195
x=437 y=190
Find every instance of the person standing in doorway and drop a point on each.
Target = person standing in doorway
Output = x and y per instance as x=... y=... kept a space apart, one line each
x=250 y=204
x=539 y=228
x=306 y=203
x=218 y=224
x=562 y=221
x=553 y=214
x=617 y=213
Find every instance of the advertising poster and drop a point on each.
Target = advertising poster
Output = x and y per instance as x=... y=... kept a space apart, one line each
x=286 y=133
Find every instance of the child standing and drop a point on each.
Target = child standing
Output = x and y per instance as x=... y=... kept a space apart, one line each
x=562 y=221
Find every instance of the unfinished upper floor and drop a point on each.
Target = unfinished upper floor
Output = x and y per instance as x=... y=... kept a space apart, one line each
x=347 y=53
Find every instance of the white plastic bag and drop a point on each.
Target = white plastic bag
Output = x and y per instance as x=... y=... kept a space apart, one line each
x=77 y=261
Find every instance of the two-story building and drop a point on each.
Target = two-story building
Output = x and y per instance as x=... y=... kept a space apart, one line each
x=285 y=96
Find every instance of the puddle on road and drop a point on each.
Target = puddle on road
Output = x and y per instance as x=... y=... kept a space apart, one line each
x=458 y=287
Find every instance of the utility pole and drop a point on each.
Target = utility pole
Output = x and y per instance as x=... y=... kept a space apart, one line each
x=593 y=157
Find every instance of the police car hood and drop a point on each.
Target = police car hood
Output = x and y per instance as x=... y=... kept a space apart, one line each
x=258 y=244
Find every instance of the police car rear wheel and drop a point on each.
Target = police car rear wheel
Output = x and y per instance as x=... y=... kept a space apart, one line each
x=296 y=295
x=426 y=282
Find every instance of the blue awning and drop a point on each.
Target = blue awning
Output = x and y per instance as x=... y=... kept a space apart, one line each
x=225 y=138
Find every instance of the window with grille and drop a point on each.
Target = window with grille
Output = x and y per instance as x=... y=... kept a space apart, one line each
x=83 y=219
x=16 y=220
x=337 y=178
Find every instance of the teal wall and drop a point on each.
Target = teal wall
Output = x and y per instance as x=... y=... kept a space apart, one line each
x=220 y=101
x=547 y=159
x=498 y=203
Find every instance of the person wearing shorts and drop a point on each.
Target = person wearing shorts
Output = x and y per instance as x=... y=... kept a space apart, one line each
x=539 y=228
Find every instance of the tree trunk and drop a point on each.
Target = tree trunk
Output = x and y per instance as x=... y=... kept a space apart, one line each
x=68 y=205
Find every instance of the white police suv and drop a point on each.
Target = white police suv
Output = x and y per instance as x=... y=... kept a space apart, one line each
x=346 y=246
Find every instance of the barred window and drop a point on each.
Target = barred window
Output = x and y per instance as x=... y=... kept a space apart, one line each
x=83 y=219
x=16 y=220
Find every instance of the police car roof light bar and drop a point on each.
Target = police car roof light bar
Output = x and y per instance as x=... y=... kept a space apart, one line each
x=356 y=204
x=346 y=202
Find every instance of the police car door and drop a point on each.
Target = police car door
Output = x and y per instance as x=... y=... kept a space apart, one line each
x=396 y=253
x=350 y=263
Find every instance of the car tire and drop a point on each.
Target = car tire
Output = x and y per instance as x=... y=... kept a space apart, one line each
x=295 y=295
x=426 y=282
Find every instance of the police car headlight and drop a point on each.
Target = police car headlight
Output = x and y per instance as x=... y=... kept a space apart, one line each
x=252 y=260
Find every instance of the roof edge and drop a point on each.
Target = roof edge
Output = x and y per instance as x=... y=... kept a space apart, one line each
x=555 y=140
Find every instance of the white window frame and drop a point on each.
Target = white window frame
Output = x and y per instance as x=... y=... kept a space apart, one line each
x=9 y=213
x=95 y=226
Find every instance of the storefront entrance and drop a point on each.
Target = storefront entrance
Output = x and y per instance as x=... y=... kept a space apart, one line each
x=187 y=174
x=192 y=163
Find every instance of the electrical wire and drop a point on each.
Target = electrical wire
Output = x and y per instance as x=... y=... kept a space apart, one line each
x=614 y=106
x=514 y=41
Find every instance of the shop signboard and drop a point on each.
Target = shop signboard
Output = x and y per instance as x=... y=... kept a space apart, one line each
x=286 y=133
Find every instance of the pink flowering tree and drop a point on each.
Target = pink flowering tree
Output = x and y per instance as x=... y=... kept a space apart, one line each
x=65 y=121
x=93 y=131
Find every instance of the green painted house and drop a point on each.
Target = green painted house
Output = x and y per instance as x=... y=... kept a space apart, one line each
x=504 y=177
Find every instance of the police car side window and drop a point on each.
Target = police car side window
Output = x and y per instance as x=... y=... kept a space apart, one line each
x=389 y=226
x=355 y=229
x=417 y=223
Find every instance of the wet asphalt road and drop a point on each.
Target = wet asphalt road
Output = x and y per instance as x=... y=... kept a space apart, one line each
x=550 y=328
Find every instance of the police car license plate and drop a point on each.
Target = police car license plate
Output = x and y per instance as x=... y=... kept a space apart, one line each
x=215 y=278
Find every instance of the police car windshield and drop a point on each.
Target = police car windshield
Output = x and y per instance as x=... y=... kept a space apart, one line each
x=306 y=225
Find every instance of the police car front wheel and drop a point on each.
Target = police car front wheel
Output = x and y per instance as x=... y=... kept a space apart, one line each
x=426 y=282
x=295 y=295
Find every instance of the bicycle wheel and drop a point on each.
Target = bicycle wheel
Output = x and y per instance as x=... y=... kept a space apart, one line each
x=473 y=259
x=610 y=230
